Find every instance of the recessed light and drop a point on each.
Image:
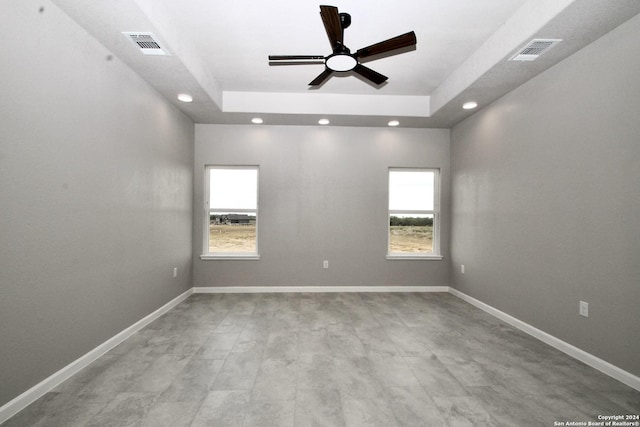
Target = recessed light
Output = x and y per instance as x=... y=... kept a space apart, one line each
x=393 y=123
x=185 y=97
x=257 y=120
x=323 y=122
x=470 y=105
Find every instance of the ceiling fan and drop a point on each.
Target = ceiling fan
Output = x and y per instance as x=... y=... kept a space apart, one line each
x=342 y=60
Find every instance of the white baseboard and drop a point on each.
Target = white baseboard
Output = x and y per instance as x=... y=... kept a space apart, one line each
x=314 y=289
x=587 y=358
x=16 y=405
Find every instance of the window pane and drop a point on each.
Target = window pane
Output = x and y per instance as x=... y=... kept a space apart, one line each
x=410 y=233
x=411 y=190
x=233 y=188
x=232 y=232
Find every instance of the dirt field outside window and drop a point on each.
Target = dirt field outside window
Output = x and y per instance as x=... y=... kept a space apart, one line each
x=242 y=238
x=411 y=239
x=232 y=238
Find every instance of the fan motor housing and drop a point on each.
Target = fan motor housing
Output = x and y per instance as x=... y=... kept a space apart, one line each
x=345 y=20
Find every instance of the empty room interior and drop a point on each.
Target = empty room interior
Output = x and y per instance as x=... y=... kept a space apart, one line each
x=292 y=214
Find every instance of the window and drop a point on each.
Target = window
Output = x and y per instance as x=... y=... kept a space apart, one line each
x=231 y=212
x=413 y=213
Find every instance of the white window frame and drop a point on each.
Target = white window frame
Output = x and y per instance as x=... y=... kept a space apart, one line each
x=206 y=255
x=435 y=254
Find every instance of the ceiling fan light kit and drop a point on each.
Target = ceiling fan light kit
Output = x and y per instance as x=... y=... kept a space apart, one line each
x=342 y=60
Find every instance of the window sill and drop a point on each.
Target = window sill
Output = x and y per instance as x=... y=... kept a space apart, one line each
x=234 y=257
x=395 y=257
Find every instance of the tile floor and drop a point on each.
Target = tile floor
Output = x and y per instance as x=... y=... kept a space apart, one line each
x=401 y=359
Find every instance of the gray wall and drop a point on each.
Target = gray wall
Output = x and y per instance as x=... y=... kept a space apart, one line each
x=546 y=200
x=323 y=196
x=95 y=196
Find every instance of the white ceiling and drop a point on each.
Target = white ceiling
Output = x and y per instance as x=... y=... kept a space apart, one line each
x=218 y=53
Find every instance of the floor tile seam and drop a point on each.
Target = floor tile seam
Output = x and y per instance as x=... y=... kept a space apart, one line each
x=48 y=417
x=195 y=412
x=234 y=342
x=342 y=413
x=396 y=347
x=612 y=408
x=482 y=406
x=247 y=406
x=155 y=400
x=455 y=377
x=383 y=384
x=199 y=403
x=405 y=365
x=426 y=390
x=255 y=379
x=370 y=371
x=209 y=388
x=222 y=369
x=388 y=403
x=395 y=412
x=295 y=393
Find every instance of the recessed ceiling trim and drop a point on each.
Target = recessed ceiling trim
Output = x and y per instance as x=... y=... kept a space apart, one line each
x=325 y=104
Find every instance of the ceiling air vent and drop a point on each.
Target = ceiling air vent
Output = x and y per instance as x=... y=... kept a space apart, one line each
x=146 y=42
x=534 y=49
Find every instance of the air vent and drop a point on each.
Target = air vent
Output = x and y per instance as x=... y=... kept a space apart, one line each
x=534 y=49
x=146 y=42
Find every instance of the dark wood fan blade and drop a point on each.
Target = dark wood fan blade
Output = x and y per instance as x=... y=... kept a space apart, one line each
x=369 y=74
x=295 y=57
x=404 y=40
x=331 y=21
x=321 y=78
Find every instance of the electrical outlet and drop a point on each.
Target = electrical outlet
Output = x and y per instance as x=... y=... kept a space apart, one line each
x=175 y=272
x=325 y=264
x=462 y=268
x=584 y=309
